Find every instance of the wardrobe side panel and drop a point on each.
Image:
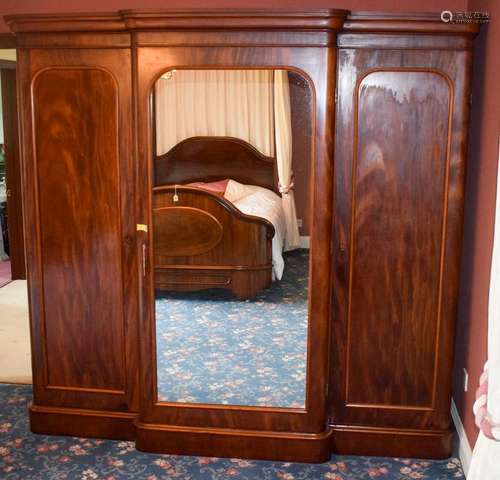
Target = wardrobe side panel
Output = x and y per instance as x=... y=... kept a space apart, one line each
x=401 y=126
x=79 y=183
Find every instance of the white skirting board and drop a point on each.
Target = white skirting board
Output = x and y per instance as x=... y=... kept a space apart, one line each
x=464 y=449
x=304 y=241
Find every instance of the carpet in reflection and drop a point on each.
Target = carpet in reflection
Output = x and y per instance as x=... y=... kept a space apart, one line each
x=212 y=348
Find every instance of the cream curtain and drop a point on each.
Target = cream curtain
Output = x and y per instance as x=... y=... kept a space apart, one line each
x=253 y=105
x=283 y=133
x=232 y=103
x=485 y=464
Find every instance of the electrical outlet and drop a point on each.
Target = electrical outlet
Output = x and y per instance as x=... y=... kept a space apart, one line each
x=299 y=222
x=466 y=380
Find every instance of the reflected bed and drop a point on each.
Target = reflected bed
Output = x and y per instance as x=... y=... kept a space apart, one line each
x=201 y=240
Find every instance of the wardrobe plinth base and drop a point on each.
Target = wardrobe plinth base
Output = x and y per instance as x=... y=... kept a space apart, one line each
x=392 y=442
x=251 y=444
x=82 y=423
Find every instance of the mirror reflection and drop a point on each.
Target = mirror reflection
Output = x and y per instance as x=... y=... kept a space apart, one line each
x=231 y=223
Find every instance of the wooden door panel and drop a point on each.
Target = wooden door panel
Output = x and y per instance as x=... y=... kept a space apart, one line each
x=76 y=132
x=80 y=227
x=402 y=124
x=316 y=64
x=400 y=146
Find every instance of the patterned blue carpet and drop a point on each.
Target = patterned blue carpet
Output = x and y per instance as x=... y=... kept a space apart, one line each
x=25 y=456
x=212 y=348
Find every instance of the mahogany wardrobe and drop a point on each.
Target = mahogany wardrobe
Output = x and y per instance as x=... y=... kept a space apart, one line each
x=389 y=120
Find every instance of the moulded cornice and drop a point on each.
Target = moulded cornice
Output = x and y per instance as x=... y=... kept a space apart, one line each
x=234 y=20
x=217 y=19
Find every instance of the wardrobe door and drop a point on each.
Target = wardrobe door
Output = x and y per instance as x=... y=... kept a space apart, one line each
x=79 y=199
x=398 y=202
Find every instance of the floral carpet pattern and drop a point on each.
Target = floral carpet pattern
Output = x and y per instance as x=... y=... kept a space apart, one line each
x=26 y=456
x=212 y=348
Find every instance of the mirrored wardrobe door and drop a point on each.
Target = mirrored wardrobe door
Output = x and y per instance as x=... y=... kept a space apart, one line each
x=231 y=222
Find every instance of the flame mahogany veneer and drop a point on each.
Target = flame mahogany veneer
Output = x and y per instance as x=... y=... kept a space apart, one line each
x=390 y=119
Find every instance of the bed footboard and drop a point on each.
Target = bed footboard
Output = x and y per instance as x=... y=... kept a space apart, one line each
x=203 y=241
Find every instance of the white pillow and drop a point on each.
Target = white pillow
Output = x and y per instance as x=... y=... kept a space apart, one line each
x=260 y=202
x=236 y=191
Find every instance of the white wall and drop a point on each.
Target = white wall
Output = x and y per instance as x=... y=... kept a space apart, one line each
x=8 y=54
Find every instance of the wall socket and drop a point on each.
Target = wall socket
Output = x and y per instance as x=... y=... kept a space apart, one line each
x=299 y=222
x=466 y=380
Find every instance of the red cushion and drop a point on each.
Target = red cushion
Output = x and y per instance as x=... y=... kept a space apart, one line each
x=218 y=187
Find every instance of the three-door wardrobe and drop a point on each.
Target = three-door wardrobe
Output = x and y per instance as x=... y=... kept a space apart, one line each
x=375 y=105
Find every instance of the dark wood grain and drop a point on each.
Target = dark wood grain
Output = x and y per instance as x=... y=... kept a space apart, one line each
x=180 y=19
x=401 y=136
x=214 y=158
x=302 y=145
x=81 y=254
x=76 y=126
x=399 y=202
x=75 y=422
x=13 y=172
x=8 y=40
x=202 y=241
x=406 y=23
x=284 y=446
x=400 y=442
x=184 y=231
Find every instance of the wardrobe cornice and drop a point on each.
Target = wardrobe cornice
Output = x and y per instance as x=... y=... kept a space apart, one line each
x=215 y=19
x=237 y=27
x=65 y=22
x=251 y=19
x=409 y=31
x=405 y=23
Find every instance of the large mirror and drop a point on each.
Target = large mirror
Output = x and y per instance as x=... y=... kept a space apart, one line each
x=231 y=222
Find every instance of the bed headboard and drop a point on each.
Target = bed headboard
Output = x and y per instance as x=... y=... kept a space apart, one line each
x=205 y=159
